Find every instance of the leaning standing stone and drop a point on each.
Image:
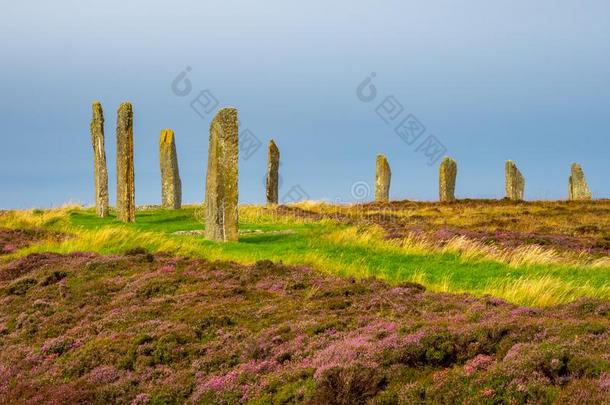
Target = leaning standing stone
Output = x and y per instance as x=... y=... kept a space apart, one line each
x=447 y=174
x=126 y=203
x=383 y=174
x=171 y=186
x=100 y=171
x=577 y=185
x=514 y=182
x=221 y=217
x=273 y=164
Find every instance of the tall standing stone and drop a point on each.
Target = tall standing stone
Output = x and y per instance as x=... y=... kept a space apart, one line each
x=125 y=196
x=171 y=186
x=221 y=195
x=273 y=165
x=577 y=185
x=100 y=171
x=446 y=176
x=514 y=183
x=383 y=175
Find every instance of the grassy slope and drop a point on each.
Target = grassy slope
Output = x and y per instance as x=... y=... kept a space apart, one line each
x=156 y=329
x=327 y=246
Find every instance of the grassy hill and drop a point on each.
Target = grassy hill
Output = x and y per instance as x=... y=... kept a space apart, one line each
x=472 y=302
x=529 y=253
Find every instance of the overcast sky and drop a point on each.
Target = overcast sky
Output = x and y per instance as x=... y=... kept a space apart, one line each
x=489 y=81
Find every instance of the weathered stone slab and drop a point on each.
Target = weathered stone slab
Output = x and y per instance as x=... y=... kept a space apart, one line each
x=383 y=175
x=577 y=185
x=447 y=174
x=171 y=185
x=125 y=198
x=100 y=171
x=514 y=181
x=221 y=194
x=273 y=165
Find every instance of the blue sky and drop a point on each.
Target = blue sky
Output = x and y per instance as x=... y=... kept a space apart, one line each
x=521 y=80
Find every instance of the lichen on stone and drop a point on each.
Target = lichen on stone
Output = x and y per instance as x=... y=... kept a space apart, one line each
x=221 y=193
x=447 y=175
x=171 y=185
x=383 y=176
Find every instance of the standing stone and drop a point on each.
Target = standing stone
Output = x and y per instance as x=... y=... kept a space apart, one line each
x=514 y=182
x=577 y=185
x=171 y=186
x=125 y=195
x=221 y=216
x=446 y=176
x=273 y=165
x=383 y=174
x=100 y=171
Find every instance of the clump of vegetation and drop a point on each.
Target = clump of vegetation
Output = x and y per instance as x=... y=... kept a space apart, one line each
x=353 y=384
x=21 y=286
x=53 y=278
x=12 y=240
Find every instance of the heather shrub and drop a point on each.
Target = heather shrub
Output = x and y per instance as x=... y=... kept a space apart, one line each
x=140 y=253
x=53 y=278
x=101 y=266
x=331 y=324
x=350 y=385
x=168 y=348
x=156 y=287
x=439 y=348
x=136 y=251
x=57 y=345
x=492 y=338
x=291 y=392
x=338 y=304
x=264 y=265
x=432 y=347
x=584 y=392
x=210 y=323
x=93 y=353
x=27 y=325
x=21 y=286
x=415 y=287
x=118 y=336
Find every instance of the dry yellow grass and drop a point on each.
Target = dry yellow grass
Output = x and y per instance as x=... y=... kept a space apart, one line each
x=545 y=290
x=25 y=219
x=467 y=249
x=270 y=215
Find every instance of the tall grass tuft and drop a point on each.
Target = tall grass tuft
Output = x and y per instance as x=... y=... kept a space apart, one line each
x=545 y=290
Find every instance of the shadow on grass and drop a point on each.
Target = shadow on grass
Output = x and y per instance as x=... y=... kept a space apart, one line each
x=266 y=238
x=169 y=220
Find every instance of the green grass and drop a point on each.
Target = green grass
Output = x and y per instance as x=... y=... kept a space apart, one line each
x=315 y=244
x=159 y=220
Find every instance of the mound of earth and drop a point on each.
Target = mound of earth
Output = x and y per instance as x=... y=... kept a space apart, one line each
x=141 y=328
